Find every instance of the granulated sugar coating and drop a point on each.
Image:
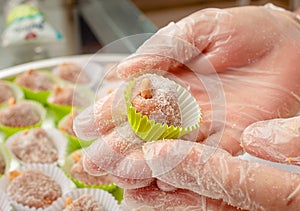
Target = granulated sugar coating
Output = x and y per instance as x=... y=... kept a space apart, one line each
x=156 y=98
x=34 y=146
x=71 y=72
x=2 y=165
x=63 y=95
x=84 y=203
x=5 y=92
x=33 y=188
x=35 y=80
x=21 y=114
x=67 y=96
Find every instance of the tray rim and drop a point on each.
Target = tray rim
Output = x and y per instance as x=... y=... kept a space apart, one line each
x=105 y=58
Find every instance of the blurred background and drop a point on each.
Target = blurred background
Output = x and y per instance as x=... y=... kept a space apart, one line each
x=88 y=25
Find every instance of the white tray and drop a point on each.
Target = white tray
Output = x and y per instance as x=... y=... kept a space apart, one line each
x=100 y=58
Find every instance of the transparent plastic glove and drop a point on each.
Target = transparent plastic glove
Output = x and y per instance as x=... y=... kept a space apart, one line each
x=260 y=187
x=120 y=155
x=244 y=184
x=152 y=198
x=276 y=140
x=255 y=52
x=256 y=65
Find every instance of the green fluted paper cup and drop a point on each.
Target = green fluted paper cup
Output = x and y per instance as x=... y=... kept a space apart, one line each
x=37 y=107
x=150 y=130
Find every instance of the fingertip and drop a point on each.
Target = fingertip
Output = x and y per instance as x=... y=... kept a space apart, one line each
x=131 y=183
x=85 y=126
x=140 y=64
x=95 y=120
x=103 y=114
x=255 y=136
x=135 y=66
x=274 y=140
x=118 y=156
x=165 y=186
x=91 y=168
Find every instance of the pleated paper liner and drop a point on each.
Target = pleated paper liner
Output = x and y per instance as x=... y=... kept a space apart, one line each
x=17 y=91
x=80 y=91
x=69 y=162
x=6 y=156
x=53 y=172
x=89 y=71
x=58 y=139
x=4 y=201
x=37 y=107
x=39 y=96
x=149 y=130
x=105 y=199
x=59 y=111
x=74 y=143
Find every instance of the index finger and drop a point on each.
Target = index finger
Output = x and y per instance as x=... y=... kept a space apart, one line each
x=180 y=44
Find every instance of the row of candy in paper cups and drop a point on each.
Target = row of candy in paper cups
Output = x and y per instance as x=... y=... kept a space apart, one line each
x=67 y=146
x=67 y=187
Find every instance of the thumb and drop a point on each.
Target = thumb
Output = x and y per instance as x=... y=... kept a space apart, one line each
x=276 y=140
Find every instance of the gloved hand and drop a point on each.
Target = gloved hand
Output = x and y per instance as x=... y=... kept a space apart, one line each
x=255 y=52
x=259 y=187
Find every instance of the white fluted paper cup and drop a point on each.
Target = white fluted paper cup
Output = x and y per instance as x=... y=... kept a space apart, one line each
x=50 y=170
x=4 y=201
x=105 y=199
x=6 y=158
x=56 y=137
